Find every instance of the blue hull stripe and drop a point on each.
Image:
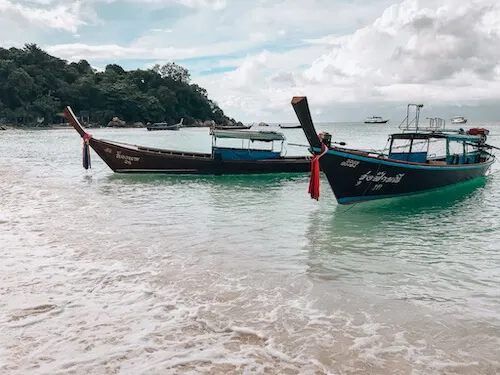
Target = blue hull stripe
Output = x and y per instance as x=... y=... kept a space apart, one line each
x=404 y=165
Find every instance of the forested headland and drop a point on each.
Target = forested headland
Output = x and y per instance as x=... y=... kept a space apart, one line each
x=35 y=87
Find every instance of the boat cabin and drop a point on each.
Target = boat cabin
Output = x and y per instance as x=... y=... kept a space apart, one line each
x=441 y=148
x=434 y=144
x=249 y=138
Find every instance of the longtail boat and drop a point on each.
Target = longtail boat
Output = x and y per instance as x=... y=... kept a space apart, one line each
x=233 y=127
x=290 y=126
x=407 y=166
x=129 y=158
x=165 y=126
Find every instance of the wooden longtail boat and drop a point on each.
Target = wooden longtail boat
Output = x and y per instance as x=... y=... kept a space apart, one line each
x=233 y=127
x=165 y=126
x=409 y=168
x=290 y=126
x=129 y=158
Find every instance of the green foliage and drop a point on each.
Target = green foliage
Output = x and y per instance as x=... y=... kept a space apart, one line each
x=35 y=87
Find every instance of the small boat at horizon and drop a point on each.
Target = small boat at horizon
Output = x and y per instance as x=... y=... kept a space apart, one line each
x=375 y=120
x=459 y=120
x=233 y=127
x=290 y=126
x=130 y=158
x=405 y=166
x=165 y=126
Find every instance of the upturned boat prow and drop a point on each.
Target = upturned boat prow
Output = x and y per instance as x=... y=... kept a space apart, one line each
x=399 y=169
x=70 y=116
x=301 y=108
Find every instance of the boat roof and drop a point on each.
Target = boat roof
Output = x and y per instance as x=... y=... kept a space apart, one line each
x=265 y=136
x=453 y=135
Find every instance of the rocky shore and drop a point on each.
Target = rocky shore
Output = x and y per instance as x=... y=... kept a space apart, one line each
x=118 y=123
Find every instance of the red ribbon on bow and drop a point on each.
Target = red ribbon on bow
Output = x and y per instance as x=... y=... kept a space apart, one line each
x=315 y=175
x=86 y=151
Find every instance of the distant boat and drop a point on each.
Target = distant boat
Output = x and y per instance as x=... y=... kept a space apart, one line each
x=458 y=120
x=165 y=126
x=375 y=120
x=233 y=127
x=263 y=124
x=290 y=126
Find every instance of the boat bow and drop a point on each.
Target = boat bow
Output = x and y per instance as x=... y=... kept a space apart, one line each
x=70 y=116
x=301 y=108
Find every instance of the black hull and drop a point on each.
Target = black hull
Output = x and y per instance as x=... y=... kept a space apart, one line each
x=290 y=127
x=124 y=158
x=356 y=178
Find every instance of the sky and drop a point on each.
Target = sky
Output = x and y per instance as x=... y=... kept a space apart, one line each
x=351 y=58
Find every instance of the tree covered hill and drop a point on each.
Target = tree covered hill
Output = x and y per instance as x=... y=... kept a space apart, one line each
x=35 y=87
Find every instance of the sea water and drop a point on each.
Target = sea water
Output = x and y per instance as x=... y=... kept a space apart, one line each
x=102 y=273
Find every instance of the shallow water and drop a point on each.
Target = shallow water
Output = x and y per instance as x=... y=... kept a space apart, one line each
x=108 y=274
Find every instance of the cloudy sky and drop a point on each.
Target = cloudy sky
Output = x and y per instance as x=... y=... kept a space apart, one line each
x=352 y=58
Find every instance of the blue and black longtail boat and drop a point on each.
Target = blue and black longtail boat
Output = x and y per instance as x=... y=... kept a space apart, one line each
x=417 y=159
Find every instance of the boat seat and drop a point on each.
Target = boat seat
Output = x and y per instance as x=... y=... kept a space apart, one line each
x=436 y=162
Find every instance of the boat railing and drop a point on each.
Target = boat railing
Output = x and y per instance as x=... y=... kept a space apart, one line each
x=435 y=124
x=411 y=123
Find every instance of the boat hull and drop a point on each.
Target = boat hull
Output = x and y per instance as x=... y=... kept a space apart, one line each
x=356 y=178
x=124 y=158
x=377 y=122
x=170 y=127
x=230 y=127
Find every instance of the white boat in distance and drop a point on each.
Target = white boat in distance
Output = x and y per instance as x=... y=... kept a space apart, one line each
x=375 y=120
x=458 y=120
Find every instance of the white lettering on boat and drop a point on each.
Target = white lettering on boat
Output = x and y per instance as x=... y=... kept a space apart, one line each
x=126 y=158
x=108 y=150
x=379 y=178
x=350 y=163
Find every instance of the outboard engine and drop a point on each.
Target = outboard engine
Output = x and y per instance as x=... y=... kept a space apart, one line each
x=326 y=138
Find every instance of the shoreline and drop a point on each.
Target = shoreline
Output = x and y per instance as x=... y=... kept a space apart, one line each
x=54 y=127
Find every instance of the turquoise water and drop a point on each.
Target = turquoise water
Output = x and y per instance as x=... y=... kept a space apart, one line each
x=104 y=273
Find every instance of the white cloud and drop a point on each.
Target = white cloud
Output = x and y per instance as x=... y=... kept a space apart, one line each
x=212 y=4
x=195 y=4
x=440 y=51
x=62 y=17
x=336 y=52
x=78 y=51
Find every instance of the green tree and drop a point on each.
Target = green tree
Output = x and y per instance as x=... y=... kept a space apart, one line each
x=35 y=85
x=173 y=71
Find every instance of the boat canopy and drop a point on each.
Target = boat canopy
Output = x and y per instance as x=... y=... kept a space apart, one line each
x=450 y=135
x=264 y=136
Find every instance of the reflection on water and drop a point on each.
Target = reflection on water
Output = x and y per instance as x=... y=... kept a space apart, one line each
x=225 y=181
x=414 y=248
